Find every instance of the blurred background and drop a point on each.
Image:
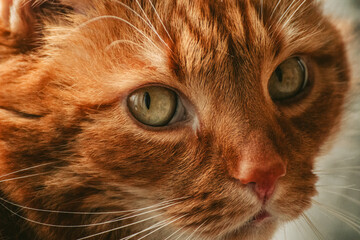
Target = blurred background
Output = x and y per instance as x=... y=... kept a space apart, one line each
x=336 y=216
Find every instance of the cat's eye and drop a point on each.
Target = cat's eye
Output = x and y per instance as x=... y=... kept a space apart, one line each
x=155 y=106
x=288 y=80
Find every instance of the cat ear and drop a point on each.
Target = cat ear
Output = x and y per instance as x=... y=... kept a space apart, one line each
x=19 y=19
x=16 y=17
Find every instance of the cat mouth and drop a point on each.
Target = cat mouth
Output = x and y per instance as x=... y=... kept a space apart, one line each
x=260 y=217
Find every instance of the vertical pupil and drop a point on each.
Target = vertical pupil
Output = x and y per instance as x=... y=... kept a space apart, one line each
x=279 y=74
x=147 y=100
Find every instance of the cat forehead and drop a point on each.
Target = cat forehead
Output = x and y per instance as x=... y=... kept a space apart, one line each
x=207 y=43
x=204 y=37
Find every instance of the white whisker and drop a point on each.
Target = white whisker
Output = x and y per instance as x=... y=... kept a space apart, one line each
x=147 y=212
x=276 y=6
x=192 y=234
x=161 y=223
x=282 y=16
x=292 y=15
x=147 y=22
x=133 y=11
x=142 y=10
x=180 y=235
x=313 y=227
x=52 y=225
x=351 y=220
x=262 y=10
x=343 y=196
x=124 y=41
x=152 y=26
x=332 y=175
x=336 y=169
x=22 y=177
x=128 y=216
x=92 y=213
x=174 y=233
x=299 y=228
x=121 y=227
x=200 y=233
x=162 y=23
x=347 y=187
x=119 y=19
x=157 y=229
x=26 y=169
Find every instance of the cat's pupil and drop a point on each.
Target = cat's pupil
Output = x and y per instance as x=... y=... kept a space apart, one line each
x=279 y=74
x=147 y=100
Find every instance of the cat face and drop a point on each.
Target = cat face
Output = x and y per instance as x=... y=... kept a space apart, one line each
x=212 y=110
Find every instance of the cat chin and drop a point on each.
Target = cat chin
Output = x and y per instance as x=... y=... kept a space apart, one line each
x=263 y=230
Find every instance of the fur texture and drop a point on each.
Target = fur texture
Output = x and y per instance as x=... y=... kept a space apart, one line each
x=63 y=115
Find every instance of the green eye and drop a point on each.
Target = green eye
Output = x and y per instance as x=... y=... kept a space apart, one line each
x=154 y=106
x=288 y=80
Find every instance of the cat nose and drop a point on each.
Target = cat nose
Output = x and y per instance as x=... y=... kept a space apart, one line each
x=259 y=166
x=262 y=177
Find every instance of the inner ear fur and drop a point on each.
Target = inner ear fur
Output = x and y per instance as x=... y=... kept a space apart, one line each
x=21 y=21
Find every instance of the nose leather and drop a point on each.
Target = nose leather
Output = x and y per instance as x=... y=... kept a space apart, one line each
x=259 y=166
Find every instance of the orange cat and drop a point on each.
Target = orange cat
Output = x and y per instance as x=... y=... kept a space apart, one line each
x=163 y=119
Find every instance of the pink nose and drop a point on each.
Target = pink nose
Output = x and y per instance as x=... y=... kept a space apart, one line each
x=259 y=166
x=262 y=177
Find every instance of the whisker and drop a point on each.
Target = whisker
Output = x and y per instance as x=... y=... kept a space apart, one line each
x=180 y=235
x=276 y=6
x=142 y=10
x=147 y=22
x=343 y=196
x=356 y=172
x=147 y=212
x=299 y=228
x=29 y=168
x=162 y=23
x=22 y=177
x=133 y=11
x=128 y=216
x=119 y=19
x=92 y=213
x=332 y=175
x=283 y=15
x=196 y=230
x=336 y=169
x=161 y=223
x=347 y=218
x=313 y=227
x=118 y=228
x=152 y=26
x=292 y=15
x=174 y=233
x=124 y=41
x=200 y=233
x=262 y=10
x=45 y=224
x=347 y=187
x=159 y=227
